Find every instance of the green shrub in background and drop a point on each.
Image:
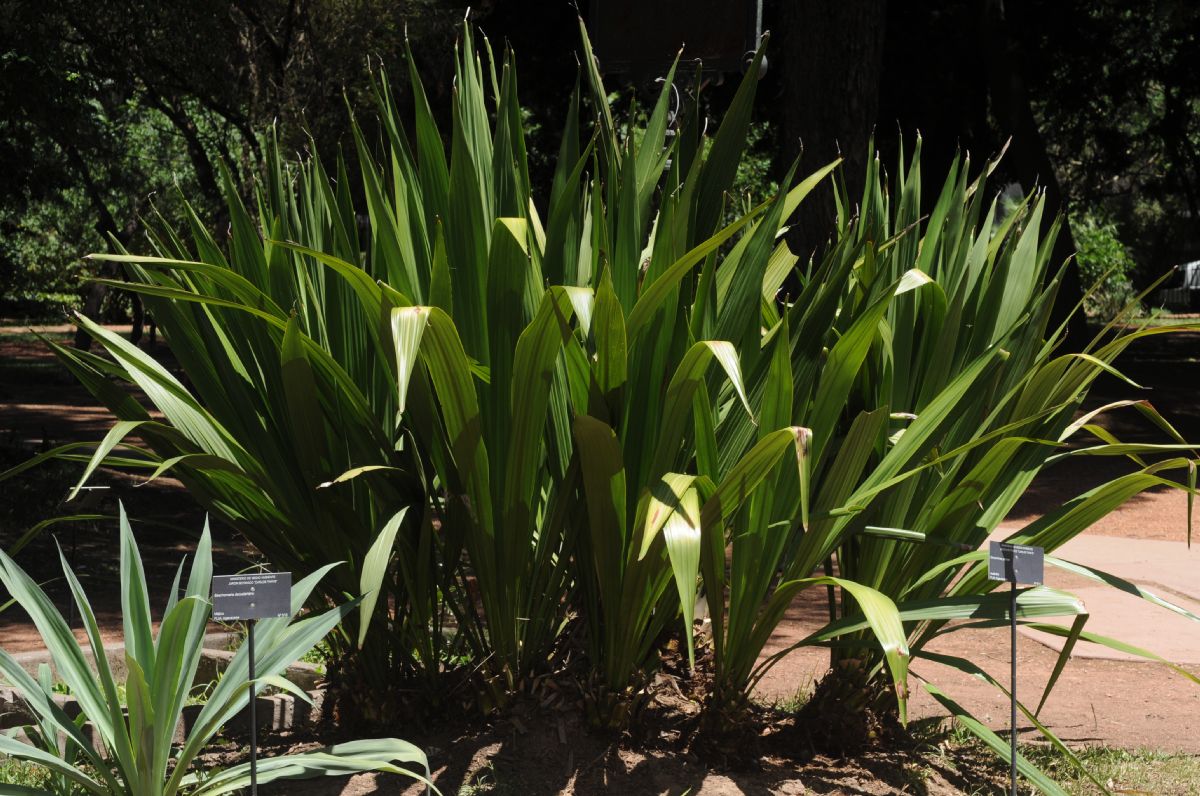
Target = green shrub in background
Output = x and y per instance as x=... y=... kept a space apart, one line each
x=1105 y=265
x=40 y=265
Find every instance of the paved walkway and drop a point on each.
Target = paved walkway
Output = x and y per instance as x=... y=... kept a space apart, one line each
x=1168 y=569
x=1144 y=542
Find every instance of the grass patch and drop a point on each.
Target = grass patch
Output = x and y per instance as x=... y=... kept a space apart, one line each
x=25 y=359
x=1146 y=771
x=42 y=369
x=793 y=703
x=29 y=337
x=1131 y=771
x=17 y=772
x=790 y=704
x=485 y=782
x=1163 y=319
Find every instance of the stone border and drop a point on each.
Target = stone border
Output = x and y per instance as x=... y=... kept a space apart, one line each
x=275 y=712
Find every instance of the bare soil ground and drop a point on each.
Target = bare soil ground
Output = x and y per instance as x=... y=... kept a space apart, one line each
x=533 y=750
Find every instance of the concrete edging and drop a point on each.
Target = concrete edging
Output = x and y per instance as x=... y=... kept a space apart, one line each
x=275 y=712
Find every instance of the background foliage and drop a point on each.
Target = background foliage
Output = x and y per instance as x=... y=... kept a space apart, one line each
x=1103 y=259
x=99 y=115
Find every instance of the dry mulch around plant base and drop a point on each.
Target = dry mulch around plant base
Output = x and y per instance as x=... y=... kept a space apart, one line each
x=531 y=750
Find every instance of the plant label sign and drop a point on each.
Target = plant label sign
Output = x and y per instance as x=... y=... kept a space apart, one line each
x=254 y=595
x=1016 y=563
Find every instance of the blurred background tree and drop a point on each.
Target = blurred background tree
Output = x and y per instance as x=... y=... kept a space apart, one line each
x=1117 y=88
x=104 y=107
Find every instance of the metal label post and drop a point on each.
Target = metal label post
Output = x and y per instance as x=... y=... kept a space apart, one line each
x=249 y=597
x=1014 y=563
x=1012 y=691
x=253 y=710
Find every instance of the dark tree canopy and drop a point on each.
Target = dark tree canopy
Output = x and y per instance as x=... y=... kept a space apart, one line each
x=105 y=107
x=1116 y=86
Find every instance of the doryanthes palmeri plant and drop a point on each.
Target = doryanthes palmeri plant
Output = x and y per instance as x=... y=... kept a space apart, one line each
x=282 y=387
x=565 y=469
x=416 y=368
x=135 y=721
x=675 y=360
x=932 y=410
x=294 y=334
x=591 y=448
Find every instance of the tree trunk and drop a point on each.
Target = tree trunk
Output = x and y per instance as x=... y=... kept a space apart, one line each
x=829 y=56
x=106 y=227
x=206 y=176
x=91 y=309
x=1028 y=159
x=137 y=312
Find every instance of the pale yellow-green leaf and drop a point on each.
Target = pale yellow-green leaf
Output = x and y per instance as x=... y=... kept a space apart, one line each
x=408 y=326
